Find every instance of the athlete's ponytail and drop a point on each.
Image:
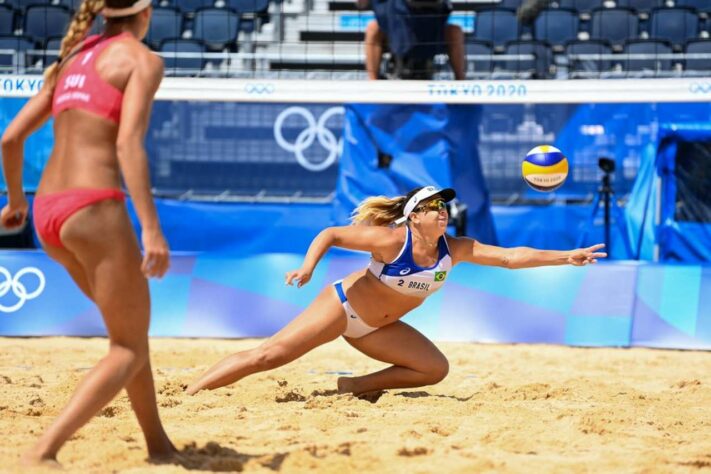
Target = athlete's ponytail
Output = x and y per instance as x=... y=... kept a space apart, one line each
x=381 y=210
x=78 y=28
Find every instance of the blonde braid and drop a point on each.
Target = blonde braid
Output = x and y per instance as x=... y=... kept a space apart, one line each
x=378 y=210
x=78 y=28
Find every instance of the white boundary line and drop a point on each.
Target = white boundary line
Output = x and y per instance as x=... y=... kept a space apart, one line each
x=412 y=92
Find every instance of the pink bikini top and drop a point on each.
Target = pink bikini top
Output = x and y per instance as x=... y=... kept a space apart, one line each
x=80 y=87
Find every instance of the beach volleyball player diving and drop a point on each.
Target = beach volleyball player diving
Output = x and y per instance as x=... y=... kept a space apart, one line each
x=100 y=92
x=411 y=258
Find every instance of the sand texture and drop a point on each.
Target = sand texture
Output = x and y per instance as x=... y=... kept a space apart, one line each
x=503 y=408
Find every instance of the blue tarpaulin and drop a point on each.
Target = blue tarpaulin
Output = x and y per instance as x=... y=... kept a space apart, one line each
x=424 y=144
x=669 y=212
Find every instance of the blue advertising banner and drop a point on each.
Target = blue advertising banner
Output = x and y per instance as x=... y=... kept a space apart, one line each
x=216 y=295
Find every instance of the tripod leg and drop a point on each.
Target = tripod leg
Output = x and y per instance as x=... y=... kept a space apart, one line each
x=590 y=222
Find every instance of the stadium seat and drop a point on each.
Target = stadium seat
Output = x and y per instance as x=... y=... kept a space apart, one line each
x=478 y=67
x=699 y=5
x=640 y=6
x=497 y=26
x=698 y=66
x=556 y=27
x=72 y=5
x=615 y=25
x=587 y=67
x=7 y=20
x=510 y=4
x=45 y=21
x=676 y=25
x=189 y=7
x=536 y=68
x=653 y=66
x=252 y=13
x=583 y=7
x=185 y=66
x=217 y=28
x=247 y=6
x=166 y=23
x=13 y=59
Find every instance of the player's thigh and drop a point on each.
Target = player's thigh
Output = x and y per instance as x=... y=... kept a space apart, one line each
x=401 y=344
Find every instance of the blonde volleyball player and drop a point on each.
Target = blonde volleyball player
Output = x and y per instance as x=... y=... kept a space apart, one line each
x=409 y=262
x=100 y=92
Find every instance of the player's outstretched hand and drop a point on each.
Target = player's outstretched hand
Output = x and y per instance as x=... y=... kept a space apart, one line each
x=301 y=276
x=580 y=257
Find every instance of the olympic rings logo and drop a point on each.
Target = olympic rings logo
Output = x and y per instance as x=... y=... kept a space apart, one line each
x=18 y=288
x=315 y=130
x=259 y=88
x=700 y=87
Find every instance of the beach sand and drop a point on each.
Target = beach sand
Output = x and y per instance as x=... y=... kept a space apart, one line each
x=503 y=408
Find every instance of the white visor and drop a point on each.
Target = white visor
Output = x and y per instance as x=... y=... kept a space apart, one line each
x=447 y=194
x=140 y=5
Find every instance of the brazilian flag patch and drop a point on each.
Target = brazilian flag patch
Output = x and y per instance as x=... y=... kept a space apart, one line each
x=440 y=276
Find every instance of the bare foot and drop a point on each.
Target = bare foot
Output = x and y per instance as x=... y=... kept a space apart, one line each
x=32 y=459
x=162 y=450
x=192 y=389
x=345 y=384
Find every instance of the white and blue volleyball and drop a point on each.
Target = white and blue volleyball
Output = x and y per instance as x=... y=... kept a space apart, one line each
x=545 y=168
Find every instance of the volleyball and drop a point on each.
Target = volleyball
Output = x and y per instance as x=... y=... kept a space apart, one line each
x=545 y=168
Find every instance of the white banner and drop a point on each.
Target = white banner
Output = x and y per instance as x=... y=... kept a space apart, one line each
x=412 y=92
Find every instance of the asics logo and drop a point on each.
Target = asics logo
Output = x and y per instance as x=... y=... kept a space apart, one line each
x=16 y=284
x=315 y=130
x=700 y=87
x=405 y=271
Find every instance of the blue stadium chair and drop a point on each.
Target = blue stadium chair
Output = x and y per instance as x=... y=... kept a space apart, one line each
x=252 y=13
x=166 y=23
x=478 y=67
x=536 y=68
x=676 y=25
x=186 y=66
x=699 y=5
x=13 y=58
x=51 y=50
x=189 y=7
x=654 y=66
x=45 y=21
x=7 y=20
x=587 y=67
x=510 y=4
x=581 y=6
x=72 y=5
x=248 y=6
x=640 y=5
x=615 y=25
x=556 y=26
x=497 y=26
x=698 y=66
x=217 y=28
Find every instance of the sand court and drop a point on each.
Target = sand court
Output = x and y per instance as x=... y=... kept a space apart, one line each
x=503 y=408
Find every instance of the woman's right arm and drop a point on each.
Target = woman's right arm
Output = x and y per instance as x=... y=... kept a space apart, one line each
x=31 y=117
x=373 y=239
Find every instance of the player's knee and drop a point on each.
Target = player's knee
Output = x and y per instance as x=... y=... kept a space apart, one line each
x=270 y=357
x=438 y=371
x=372 y=31
x=133 y=357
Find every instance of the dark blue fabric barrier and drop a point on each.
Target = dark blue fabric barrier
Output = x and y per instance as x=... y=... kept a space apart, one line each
x=652 y=213
x=428 y=144
x=217 y=295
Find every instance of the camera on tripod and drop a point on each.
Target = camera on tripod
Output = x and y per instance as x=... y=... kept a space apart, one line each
x=606 y=164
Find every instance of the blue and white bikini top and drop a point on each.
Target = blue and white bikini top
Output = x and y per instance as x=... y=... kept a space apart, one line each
x=405 y=276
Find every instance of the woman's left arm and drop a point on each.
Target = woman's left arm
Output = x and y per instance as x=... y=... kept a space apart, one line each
x=469 y=250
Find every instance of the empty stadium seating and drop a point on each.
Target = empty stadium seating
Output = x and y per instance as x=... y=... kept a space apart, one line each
x=251 y=38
